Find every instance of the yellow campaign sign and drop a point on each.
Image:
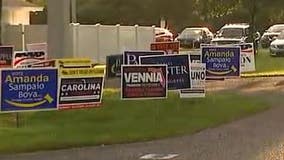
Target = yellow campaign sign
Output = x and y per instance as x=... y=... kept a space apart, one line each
x=73 y=63
x=82 y=72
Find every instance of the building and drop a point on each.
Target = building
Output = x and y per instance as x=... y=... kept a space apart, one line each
x=16 y=12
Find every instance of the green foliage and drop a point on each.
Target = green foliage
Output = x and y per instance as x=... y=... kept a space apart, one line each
x=39 y=2
x=266 y=63
x=182 y=13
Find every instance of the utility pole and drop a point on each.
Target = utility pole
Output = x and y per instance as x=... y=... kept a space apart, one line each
x=58 y=28
x=74 y=11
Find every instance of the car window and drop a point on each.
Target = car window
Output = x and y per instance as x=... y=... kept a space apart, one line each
x=190 y=33
x=231 y=32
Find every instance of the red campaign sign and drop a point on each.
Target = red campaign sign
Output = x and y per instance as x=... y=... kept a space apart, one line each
x=168 y=47
x=6 y=54
x=144 y=82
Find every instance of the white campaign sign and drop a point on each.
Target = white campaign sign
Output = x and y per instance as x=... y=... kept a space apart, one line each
x=247 y=58
x=198 y=77
x=24 y=59
x=37 y=47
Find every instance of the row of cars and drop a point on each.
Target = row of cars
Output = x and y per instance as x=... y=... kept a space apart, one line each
x=231 y=34
x=274 y=39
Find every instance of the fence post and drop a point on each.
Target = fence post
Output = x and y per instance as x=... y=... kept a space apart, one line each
x=22 y=27
x=154 y=34
x=75 y=41
x=136 y=36
x=118 y=38
x=97 y=27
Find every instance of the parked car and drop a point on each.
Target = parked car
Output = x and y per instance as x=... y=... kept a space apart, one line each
x=271 y=34
x=193 y=37
x=235 y=34
x=163 y=35
x=277 y=46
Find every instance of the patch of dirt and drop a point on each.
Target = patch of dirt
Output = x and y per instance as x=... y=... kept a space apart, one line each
x=248 y=85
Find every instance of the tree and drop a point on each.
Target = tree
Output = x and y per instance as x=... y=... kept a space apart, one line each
x=39 y=2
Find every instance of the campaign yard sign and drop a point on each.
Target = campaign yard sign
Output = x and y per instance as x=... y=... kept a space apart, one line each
x=43 y=64
x=37 y=47
x=195 y=58
x=221 y=62
x=168 y=47
x=144 y=81
x=132 y=57
x=113 y=65
x=23 y=59
x=73 y=63
x=247 y=57
x=198 y=77
x=195 y=55
x=29 y=89
x=6 y=56
x=178 y=69
x=81 y=88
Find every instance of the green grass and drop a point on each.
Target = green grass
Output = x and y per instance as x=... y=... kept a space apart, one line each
x=122 y=121
x=266 y=63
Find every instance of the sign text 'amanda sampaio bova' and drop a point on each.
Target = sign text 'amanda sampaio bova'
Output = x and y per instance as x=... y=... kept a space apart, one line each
x=178 y=69
x=221 y=62
x=81 y=88
x=29 y=89
x=144 y=82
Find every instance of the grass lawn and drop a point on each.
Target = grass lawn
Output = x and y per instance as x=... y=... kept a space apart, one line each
x=266 y=63
x=122 y=121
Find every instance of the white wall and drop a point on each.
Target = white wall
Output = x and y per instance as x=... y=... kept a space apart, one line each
x=86 y=41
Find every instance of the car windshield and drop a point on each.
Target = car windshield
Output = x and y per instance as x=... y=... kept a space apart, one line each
x=231 y=32
x=276 y=28
x=190 y=33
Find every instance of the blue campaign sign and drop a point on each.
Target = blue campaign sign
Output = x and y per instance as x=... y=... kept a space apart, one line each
x=223 y=62
x=113 y=65
x=132 y=57
x=29 y=89
x=178 y=69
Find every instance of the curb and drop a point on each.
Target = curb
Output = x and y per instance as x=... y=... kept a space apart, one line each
x=264 y=74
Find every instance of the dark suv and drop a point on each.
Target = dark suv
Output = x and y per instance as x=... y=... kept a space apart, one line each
x=234 y=34
x=194 y=36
